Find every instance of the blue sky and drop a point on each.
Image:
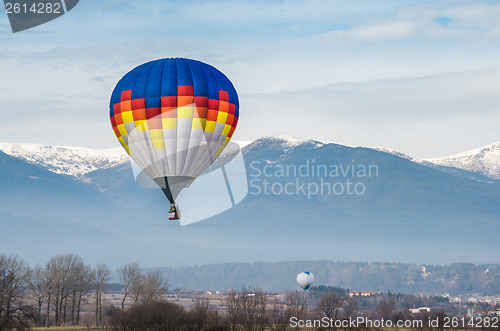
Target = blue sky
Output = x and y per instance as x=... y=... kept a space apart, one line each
x=422 y=77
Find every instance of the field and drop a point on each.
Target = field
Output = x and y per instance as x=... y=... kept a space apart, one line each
x=65 y=328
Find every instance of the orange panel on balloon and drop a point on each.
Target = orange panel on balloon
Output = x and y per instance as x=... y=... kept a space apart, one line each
x=118 y=119
x=139 y=114
x=223 y=106
x=212 y=115
x=184 y=100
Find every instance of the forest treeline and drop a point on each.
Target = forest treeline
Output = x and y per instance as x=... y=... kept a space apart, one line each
x=455 y=279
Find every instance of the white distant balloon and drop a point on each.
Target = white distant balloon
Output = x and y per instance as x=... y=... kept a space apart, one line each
x=305 y=279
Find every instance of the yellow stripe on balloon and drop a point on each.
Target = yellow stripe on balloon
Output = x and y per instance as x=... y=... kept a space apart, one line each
x=156 y=134
x=185 y=112
x=210 y=126
x=221 y=117
x=225 y=132
x=199 y=123
x=122 y=129
x=158 y=144
x=141 y=125
x=169 y=123
x=157 y=138
x=127 y=117
x=223 y=145
x=124 y=144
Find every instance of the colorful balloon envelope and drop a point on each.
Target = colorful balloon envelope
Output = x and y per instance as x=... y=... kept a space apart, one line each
x=305 y=280
x=174 y=117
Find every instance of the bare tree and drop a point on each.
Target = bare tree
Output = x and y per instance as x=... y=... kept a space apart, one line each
x=154 y=286
x=293 y=305
x=14 y=313
x=297 y=304
x=73 y=280
x=61 y=271
x=137 y=287
x=145 y=288
x=37 y=285
x=84 y=287
x=350 y=306
x=330 y=304
x=49 y=288
x=247 y=309
x=128 y=276
x=53 y=269
x=203 y=316
x=81 y=283
x=101 y=275
x=385 y=309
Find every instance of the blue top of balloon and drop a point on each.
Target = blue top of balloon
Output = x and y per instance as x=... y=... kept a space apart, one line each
x=160 y=78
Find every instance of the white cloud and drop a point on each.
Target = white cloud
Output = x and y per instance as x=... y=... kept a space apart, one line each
x=424 y=116
x=464 y=23
x=381 y=31
x=475 y=15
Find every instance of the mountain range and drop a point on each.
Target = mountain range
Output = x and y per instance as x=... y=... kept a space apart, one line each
x=400 y=209
x=484 y=160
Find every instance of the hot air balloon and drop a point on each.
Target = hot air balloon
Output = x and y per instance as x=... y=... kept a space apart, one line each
x=305 y=280
x=174 y=117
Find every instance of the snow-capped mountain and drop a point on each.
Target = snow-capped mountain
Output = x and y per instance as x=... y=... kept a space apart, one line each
x=484 y=160
x=281 y=142
x=402 y=155
x=78 y=161
x=291 y=142
x=73 y=161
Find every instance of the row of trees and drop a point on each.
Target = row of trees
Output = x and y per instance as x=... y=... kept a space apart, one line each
x=141 y=287
x=244 y=310
x=255 y=310
x=54 y=293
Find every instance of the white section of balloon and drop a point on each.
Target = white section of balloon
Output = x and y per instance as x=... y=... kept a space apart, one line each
x=305 y=279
